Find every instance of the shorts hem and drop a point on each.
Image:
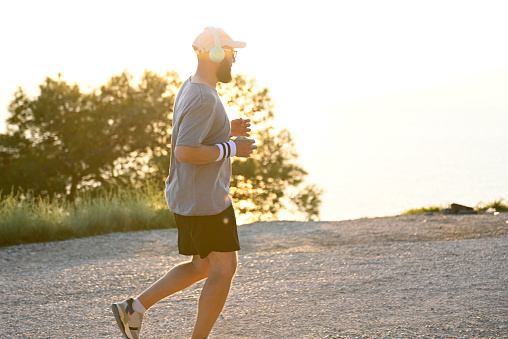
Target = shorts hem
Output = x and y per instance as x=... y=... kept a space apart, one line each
x=205 y=254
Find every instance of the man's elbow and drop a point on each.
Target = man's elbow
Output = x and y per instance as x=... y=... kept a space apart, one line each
x=182 y=154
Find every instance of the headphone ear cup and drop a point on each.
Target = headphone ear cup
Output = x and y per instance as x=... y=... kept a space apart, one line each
x=217 y=54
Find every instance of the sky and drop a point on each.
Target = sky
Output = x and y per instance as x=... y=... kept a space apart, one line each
x=316 y=57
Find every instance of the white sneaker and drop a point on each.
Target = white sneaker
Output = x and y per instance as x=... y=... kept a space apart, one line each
x=129 y=321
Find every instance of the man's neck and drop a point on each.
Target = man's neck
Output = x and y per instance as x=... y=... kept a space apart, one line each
x=205 y=77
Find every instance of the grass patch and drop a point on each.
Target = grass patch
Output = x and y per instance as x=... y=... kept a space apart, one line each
x=429 y=209
x=499 y=205
x=25 y=220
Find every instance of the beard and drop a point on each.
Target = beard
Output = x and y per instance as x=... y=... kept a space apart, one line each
x=224 y=72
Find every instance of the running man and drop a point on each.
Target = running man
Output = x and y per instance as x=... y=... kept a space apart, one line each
x=197 y=190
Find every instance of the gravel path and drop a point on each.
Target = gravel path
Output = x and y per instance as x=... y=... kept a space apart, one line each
x=416 y=276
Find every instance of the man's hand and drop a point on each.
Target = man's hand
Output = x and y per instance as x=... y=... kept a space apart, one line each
x=240 y=127
x=244 y=147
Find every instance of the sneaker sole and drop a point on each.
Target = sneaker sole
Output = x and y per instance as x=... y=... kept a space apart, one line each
x=119 y=321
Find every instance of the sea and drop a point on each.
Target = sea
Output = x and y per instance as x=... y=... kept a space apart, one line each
x=372 y=164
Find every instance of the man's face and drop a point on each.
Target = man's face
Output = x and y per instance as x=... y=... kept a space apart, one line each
x=224 y=70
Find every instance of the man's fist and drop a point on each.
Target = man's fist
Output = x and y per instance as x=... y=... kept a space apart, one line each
x=240 y=127
x=245 y=147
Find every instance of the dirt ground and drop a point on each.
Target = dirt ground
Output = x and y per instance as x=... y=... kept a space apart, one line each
x=415 y=276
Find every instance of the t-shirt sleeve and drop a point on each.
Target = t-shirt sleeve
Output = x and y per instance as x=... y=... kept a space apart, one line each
x=196 y=122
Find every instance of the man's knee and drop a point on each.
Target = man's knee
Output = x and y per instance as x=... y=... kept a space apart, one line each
x=202 y=266
x=223 y=263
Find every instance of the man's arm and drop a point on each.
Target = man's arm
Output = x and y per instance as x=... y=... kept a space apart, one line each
x=205 y=154
x=197 y=155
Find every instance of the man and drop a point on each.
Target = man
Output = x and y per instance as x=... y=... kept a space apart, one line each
x=197 y=190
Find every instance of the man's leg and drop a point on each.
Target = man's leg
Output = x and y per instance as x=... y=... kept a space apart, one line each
x=215 y=291
x=177 y=279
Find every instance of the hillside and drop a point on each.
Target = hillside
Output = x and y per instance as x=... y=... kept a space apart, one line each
x=406 y=276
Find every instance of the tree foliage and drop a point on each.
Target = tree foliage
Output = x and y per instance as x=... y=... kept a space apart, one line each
x=65 y=140
x=270 y=182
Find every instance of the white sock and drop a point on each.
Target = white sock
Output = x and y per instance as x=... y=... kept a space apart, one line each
x=138 y=307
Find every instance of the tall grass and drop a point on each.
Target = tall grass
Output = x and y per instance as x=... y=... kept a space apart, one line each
x=25 y=220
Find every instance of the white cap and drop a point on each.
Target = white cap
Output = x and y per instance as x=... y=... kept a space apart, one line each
x=204 y=42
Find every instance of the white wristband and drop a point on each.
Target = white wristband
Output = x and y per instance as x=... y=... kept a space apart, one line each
x=233 y=148
x=226 y=150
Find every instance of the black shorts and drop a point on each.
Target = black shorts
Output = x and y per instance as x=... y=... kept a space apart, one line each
x=210 y=233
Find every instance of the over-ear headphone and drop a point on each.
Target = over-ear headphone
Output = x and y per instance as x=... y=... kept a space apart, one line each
x=216 y=54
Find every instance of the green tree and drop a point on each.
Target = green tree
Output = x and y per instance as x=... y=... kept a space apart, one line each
x=270 y=182
x=64 y=141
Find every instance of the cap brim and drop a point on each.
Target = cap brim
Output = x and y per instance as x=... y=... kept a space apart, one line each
x=237 y=44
